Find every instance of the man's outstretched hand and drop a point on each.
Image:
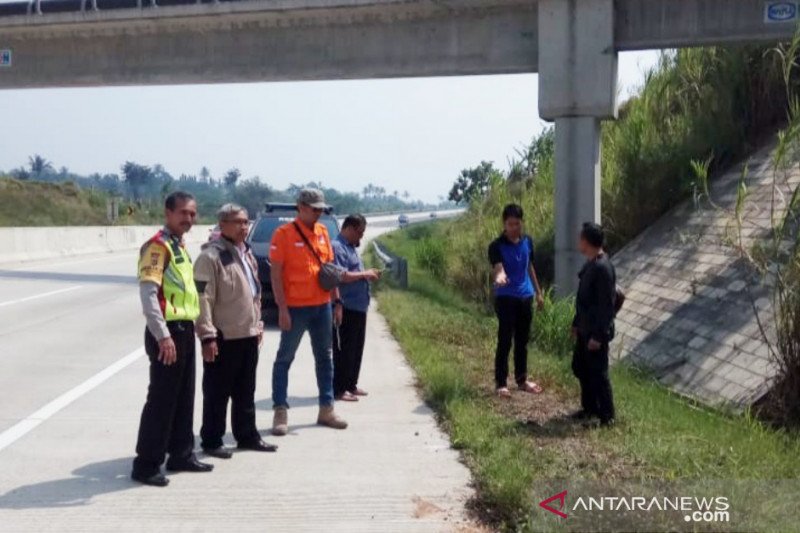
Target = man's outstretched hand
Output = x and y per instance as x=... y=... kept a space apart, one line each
x=501 y=279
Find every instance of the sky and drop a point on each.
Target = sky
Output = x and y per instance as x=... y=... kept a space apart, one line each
x=410 y=135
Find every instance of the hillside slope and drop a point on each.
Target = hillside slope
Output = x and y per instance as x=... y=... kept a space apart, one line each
x=36 y=203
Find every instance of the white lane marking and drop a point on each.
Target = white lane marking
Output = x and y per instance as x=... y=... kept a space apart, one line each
x=37 y=296
x=21 y=428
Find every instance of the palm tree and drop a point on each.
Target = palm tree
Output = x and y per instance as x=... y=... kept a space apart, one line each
x=232 y=176
x=39 y=165
x=205 y=174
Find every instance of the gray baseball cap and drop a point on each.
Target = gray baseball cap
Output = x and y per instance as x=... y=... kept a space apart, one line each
x=313 y=197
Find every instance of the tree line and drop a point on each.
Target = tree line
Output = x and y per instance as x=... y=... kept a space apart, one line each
x=145 y=186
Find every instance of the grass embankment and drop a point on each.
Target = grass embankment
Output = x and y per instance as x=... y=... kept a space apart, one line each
x=35 y=203
x=512 y=446
x=716 y=103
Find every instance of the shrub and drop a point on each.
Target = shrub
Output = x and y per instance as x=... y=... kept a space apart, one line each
x=419 y=231
x=430 y=255
x=552 y=325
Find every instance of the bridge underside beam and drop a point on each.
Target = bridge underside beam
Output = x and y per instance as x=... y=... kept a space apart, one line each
x=644 y=24
x=404 y=39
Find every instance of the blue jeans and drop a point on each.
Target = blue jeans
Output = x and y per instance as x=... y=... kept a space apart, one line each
x=318 y=321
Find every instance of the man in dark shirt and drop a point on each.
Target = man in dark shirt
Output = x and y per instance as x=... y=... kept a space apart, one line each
x=515 y=287
x=593 y=326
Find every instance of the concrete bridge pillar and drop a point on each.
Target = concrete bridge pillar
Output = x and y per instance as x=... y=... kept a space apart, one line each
x=577 y=89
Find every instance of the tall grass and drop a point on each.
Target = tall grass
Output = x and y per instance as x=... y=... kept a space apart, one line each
x=514 y=449
x=778 y=259
x=551 y=325
x=698 y=103
x=713 y=104
x=430 y=254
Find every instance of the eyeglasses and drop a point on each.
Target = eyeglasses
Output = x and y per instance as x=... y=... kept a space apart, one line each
x=237 y=221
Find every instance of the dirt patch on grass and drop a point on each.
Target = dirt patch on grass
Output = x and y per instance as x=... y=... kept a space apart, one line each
x=546 y=419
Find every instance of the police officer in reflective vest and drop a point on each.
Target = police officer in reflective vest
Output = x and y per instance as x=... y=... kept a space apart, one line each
x=171 y=304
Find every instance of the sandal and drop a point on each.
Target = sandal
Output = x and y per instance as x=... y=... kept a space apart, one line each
x=347 y=397
x=503 y=392
x=531 y=387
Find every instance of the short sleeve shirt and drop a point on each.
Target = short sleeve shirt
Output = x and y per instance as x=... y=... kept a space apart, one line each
x=300 y=267
x=516 y=258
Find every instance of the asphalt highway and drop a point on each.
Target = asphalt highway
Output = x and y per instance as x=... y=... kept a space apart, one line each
x=73 y=379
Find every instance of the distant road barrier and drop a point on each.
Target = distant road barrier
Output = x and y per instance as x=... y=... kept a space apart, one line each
x=398 y=266
x=23 y=244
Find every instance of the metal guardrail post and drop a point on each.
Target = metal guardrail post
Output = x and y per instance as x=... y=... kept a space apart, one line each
x=398 y=266
x=402 y=273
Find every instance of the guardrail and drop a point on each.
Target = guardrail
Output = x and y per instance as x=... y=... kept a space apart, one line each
x=396 y=265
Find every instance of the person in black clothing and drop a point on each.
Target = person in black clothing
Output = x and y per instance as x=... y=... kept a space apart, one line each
x=593 y=326
x=515 y=288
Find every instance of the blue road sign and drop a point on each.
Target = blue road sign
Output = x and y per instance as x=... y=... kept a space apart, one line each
x=778 y=12
x=5 y=58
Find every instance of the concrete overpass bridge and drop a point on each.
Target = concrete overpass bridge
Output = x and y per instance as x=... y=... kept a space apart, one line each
x=572 y=44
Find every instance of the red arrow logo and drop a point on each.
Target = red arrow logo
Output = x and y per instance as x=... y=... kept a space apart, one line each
x=562 y=499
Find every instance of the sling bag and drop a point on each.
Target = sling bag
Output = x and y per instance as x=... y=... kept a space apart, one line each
x=330 y=274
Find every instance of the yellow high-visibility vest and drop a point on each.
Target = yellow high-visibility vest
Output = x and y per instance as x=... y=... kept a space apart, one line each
x=179 y=298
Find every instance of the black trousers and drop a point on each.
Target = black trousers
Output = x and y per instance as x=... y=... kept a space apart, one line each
x=168 y=414
x=514 y=317
x=231 y=376
x=348 y=351
x=591 y=369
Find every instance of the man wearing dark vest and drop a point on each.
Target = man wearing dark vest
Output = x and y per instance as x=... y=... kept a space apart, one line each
x=170 y=304
x=230 y=329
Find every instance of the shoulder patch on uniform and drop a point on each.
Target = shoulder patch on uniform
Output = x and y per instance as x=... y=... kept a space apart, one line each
x=226 y=257
x=201 y=286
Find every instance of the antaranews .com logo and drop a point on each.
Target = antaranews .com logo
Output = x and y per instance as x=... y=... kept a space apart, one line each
x=714 y=509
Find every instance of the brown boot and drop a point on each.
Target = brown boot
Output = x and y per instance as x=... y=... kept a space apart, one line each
x=328 y=418
x=280 y=423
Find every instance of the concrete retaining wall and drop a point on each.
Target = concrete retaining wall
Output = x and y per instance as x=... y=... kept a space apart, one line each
x=30 y=244
x=690 y=314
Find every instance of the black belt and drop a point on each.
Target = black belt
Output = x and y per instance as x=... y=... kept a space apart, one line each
x=180 y=325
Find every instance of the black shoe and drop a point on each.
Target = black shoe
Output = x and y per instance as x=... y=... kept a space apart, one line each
x=220 y=453
x=257 y=446
x=156 y=480
x=189 y=465
x=581 y=414
x=607 y=422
